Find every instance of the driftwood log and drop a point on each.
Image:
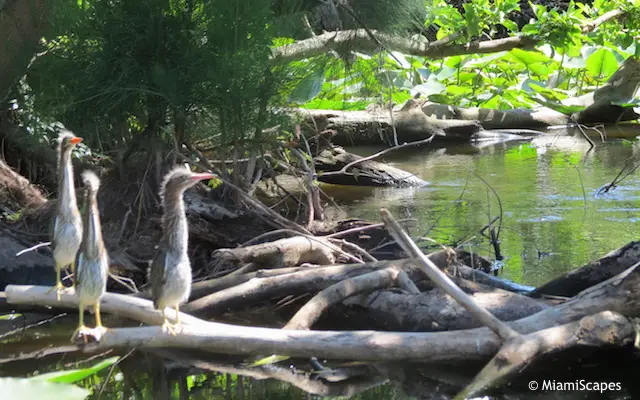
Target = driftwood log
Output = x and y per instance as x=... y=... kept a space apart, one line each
x=407 y=125
x=618 y=294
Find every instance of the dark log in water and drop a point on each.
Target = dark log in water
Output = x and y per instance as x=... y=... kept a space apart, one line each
x=330 y=165
x=592 y=273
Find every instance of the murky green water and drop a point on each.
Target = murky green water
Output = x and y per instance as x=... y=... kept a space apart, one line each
x=552 y=220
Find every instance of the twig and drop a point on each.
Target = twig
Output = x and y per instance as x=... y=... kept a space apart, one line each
x=343 y=170
x=497 y=198
x=443 y=281
x=32 y=248
x=354 y=247
x=124 y=281
x=104 y=384
x=619 y=178
x=363 y=228
x=125 y=219
x=586 y=137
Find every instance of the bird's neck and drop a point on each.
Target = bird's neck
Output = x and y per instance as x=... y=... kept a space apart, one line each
x=174 y=223
x=92 y=243
x=66 y=189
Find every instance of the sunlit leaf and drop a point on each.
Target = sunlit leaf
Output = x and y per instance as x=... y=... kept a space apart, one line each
x=74 y=375
x=602 y=63
x=269 y=360
x=9 y=317
x=529 y=57
x=28 y=389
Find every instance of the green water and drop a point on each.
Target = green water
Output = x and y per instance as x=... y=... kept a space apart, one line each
x=552 y=222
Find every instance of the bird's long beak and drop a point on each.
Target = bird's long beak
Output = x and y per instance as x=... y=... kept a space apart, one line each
x=202 y=176
x=76 y=140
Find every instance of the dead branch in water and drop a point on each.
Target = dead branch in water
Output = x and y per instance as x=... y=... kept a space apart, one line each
x=618 y=294
x=443 y=281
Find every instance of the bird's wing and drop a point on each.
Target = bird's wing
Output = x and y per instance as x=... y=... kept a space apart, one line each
x=158 y=274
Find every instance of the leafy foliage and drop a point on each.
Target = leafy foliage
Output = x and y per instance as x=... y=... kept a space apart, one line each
x=178 y=70
x=567 y=63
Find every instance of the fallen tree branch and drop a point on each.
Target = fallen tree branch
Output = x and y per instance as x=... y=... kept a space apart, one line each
x=443 y=281
x=619 y=294
x=258 y=289
x=602 y=329
x=334 y=294
x=200 y=289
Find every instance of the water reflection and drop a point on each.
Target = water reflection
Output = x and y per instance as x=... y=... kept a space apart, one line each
x=547 y=193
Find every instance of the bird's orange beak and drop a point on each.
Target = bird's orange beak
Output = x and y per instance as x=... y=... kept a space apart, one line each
x=202 y=176
x=76 y=140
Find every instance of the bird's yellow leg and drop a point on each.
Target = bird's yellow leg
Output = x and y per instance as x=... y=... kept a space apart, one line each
x=178 y=324
x=59 y=287
x=100 y=329
x=166 y=325
x=81 y=330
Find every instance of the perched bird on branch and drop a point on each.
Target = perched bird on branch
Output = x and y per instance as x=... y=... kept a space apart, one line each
x=67 y=229
x=92 y=261
x=170 y=272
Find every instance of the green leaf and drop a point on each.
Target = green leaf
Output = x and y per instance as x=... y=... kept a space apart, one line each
x=27 y=389
x=529 y=57
x=8 y=317
x=540 y=68
x=510 y=25
x=473 y=27
x=602 y=63
x=269 y=360
x=74 y=375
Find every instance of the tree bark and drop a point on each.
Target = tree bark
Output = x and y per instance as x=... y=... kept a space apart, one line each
x=22 y=24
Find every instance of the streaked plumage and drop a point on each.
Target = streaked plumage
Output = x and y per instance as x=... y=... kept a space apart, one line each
x=92 y=261
x=170 y=272
x=67 y=227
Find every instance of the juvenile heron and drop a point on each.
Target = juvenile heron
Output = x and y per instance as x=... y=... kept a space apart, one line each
x=170 y=272
x=67 y=229
x=92 y=261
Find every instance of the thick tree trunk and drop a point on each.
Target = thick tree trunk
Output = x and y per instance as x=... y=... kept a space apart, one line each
x=22 y=24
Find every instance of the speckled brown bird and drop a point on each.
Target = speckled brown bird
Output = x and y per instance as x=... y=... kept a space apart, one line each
x=67 y=227
x=92 y=261
x=170 y=272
